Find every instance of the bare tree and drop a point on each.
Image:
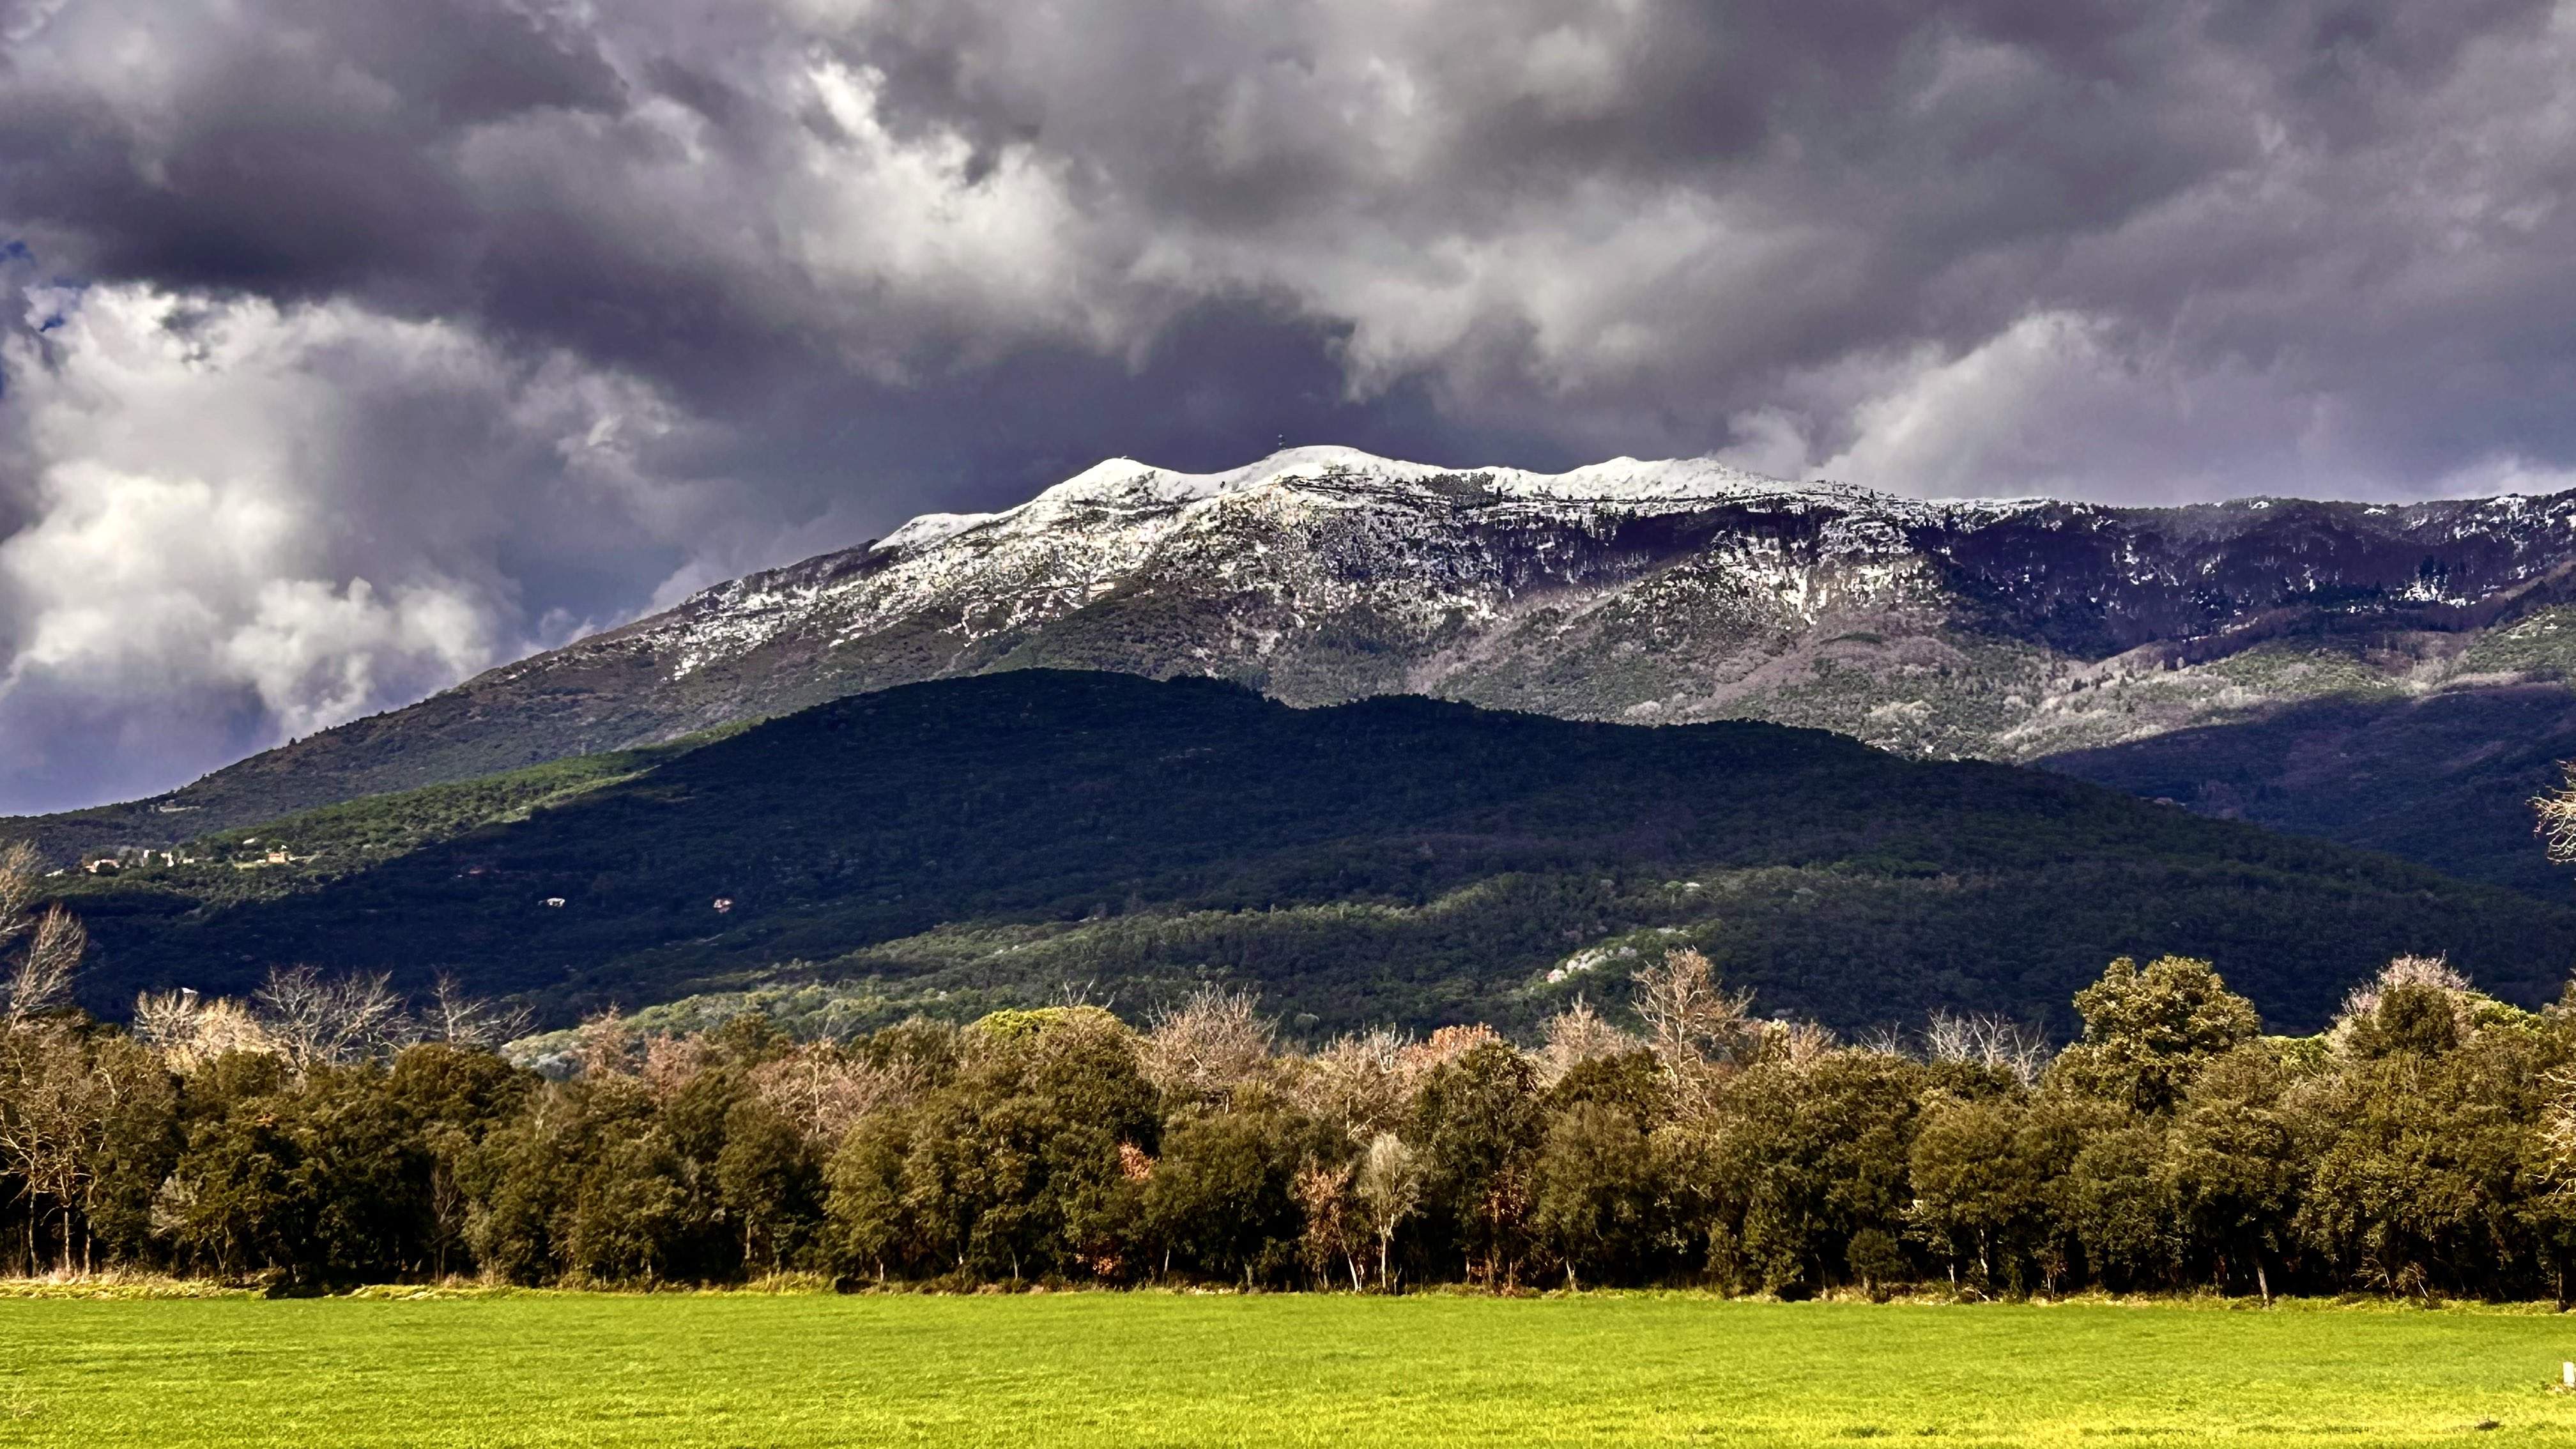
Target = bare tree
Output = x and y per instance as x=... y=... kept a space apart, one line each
x=165 y=1020
x=2426 y=973
x=672 y=1062
x=1577 y=1035
x=50 y=1098
x=40 y=977
x=188 y=1030
x=1697 y=1028
x=1365 y=1083
x=2558 y=1131
x=1995 y=1042
x=40 y=984
x=2557 y=811
x=1885 y=1040
x=825 y=1091
x=330 y=1020
x=1443 y=1046
x=1212 y=1044
x=2434 y=972
x=469 y=1021
x=1358 y=1083
x=1331 y=1227
x=606 y=1045
x=1388 y=1190
x=21 y=874
x=52 y=1109
x=1796 y=1045
x=61 y=1088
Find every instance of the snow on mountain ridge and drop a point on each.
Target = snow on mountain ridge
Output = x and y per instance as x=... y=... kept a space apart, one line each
x=1122 y=522
x=1245 y=562
x=1623 y=483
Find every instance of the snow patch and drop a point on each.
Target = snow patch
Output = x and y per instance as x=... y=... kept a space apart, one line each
x=1322 y=475
x=931 y=528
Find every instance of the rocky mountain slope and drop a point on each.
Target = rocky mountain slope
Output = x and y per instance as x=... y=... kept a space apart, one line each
x=2231 y=657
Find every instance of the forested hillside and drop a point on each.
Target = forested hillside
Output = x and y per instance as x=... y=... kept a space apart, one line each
x=1004 y=840
x=2446 y=778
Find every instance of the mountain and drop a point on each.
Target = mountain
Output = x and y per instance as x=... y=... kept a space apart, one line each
x=1001 y=839
x=2232 y=657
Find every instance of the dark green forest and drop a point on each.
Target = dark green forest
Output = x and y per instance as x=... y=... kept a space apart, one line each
x=1009 y=840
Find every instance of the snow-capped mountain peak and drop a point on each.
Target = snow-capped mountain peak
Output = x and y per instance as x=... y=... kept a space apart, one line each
x=1338 y=476
x=1646 y=590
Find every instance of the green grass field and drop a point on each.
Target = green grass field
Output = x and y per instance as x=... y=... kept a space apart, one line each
x=1148 y=1369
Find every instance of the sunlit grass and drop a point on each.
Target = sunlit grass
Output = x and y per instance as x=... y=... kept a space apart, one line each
x=1153 y=1369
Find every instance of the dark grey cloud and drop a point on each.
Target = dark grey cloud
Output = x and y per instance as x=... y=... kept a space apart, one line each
x=352 y=344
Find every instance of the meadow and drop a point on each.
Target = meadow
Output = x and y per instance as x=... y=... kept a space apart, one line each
x=1159 y=1369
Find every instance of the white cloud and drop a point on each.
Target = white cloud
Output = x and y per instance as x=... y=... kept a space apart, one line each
x=257 y=521
x=2070 y=406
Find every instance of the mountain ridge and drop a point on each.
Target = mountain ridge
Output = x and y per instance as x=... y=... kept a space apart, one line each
x=2026 y=630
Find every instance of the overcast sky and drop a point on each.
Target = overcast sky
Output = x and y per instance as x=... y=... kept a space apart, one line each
x=350 y=346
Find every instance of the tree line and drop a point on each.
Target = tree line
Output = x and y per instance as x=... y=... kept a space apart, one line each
x=326 y=1132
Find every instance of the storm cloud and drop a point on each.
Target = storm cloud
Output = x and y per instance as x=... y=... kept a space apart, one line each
x=352 y=345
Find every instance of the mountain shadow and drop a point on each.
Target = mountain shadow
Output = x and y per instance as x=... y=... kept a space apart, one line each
x=2445 y=780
